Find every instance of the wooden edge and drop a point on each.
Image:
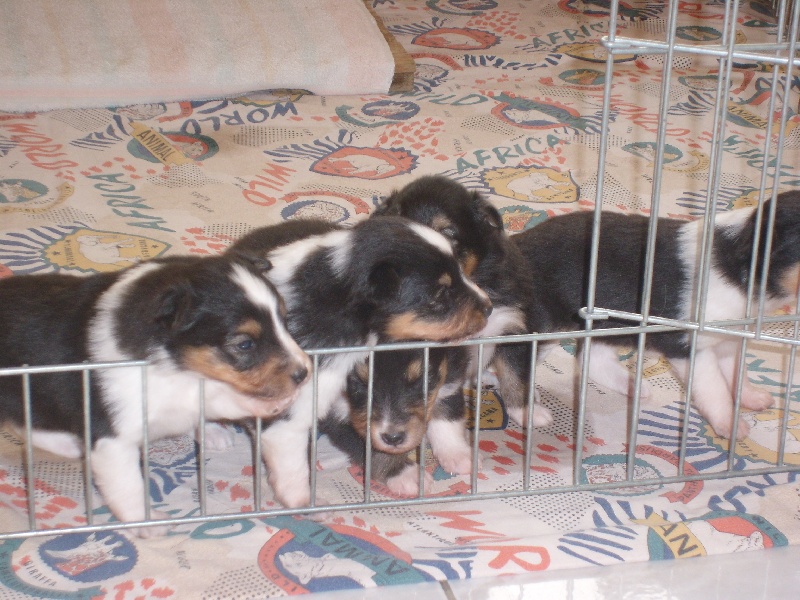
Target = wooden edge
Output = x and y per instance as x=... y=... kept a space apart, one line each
x=404 y=65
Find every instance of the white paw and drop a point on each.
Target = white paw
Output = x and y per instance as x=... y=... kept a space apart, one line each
x=456 y=461
x=744 y=429
x=153 y=531
x=406 y=483
x=449 y=445
x=542 y=417
x=292 y=494
x=218 y=436
x=322 y=515
x=517 y=414
x=723 y=428
x=60 y=443
x=646 y=390
x=756 y=399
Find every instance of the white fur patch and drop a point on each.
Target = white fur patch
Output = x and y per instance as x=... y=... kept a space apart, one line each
x=61 y=443
x=287 y=259
x=102 y=335
x=470 y=284
x=434 y=238
x=503 y=320
x=449 y=445
x=406 y=482
x=284 y=441
x=259 y=294
x=724 y=300
x=255 y=289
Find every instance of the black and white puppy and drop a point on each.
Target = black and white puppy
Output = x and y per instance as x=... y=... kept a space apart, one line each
x=557 y=253
x=386 y=279
x=402 y=414
x=193 y=318
x=475 y=229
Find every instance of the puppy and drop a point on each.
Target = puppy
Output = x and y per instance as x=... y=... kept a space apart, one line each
x=557 y=253
x=401 y=414
x=475 y=230
x=192 y=318
x=382 y=279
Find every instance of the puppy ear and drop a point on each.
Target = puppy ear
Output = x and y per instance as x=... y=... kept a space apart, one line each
x=384 y=279
x=485 y=212
x=261 y=263
x=178 y=308
x=390 y=206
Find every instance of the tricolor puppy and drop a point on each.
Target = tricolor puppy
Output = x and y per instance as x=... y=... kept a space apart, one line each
x=194 y=319
x=475 y=230
x=388 y=279
x=402 y=413
x=557 y=252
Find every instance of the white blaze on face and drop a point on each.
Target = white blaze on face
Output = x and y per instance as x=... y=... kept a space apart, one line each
x=438 y=241
x=257 y=291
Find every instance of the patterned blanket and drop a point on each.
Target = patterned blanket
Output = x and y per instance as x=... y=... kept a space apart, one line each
x=507 y=100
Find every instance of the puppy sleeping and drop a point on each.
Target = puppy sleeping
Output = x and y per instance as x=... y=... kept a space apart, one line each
x=193 y=318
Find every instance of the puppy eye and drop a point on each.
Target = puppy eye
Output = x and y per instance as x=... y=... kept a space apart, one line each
x=440 y=295
x=243 y=343
x=449 y=232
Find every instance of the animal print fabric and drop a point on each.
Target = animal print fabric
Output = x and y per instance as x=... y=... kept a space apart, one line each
x=508 y=100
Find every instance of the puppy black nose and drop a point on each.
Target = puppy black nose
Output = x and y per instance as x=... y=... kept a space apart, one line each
x=393 y=439
x=487 y=309
x=299 y=376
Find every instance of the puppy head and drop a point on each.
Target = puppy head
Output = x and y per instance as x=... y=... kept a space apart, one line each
x=469 y=222
x=221 y=319
x=734 y=238
x=784 y=269
x=412 y=283
x=400 y=413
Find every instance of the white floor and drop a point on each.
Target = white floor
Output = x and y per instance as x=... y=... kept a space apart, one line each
x=766 y=574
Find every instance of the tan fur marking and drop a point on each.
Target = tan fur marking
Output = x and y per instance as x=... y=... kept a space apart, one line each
x=410 y=326
x=469 y=263
x=512 y=389
x=362 y=371
x=250 y=327
x=413 y=371
x=446 y=280
x=440 y=222
x=270 y=380
x=434 y=393
x=358 y=418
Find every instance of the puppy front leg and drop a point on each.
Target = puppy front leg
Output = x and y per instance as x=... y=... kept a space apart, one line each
x=449 y=445
x=116 y=466
x=447 y=432
x=399 y=473
x=284 y=447
x=512 y=365
x=606 y=369
x=218 y=436
x=710 y=393
x=752 y=397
